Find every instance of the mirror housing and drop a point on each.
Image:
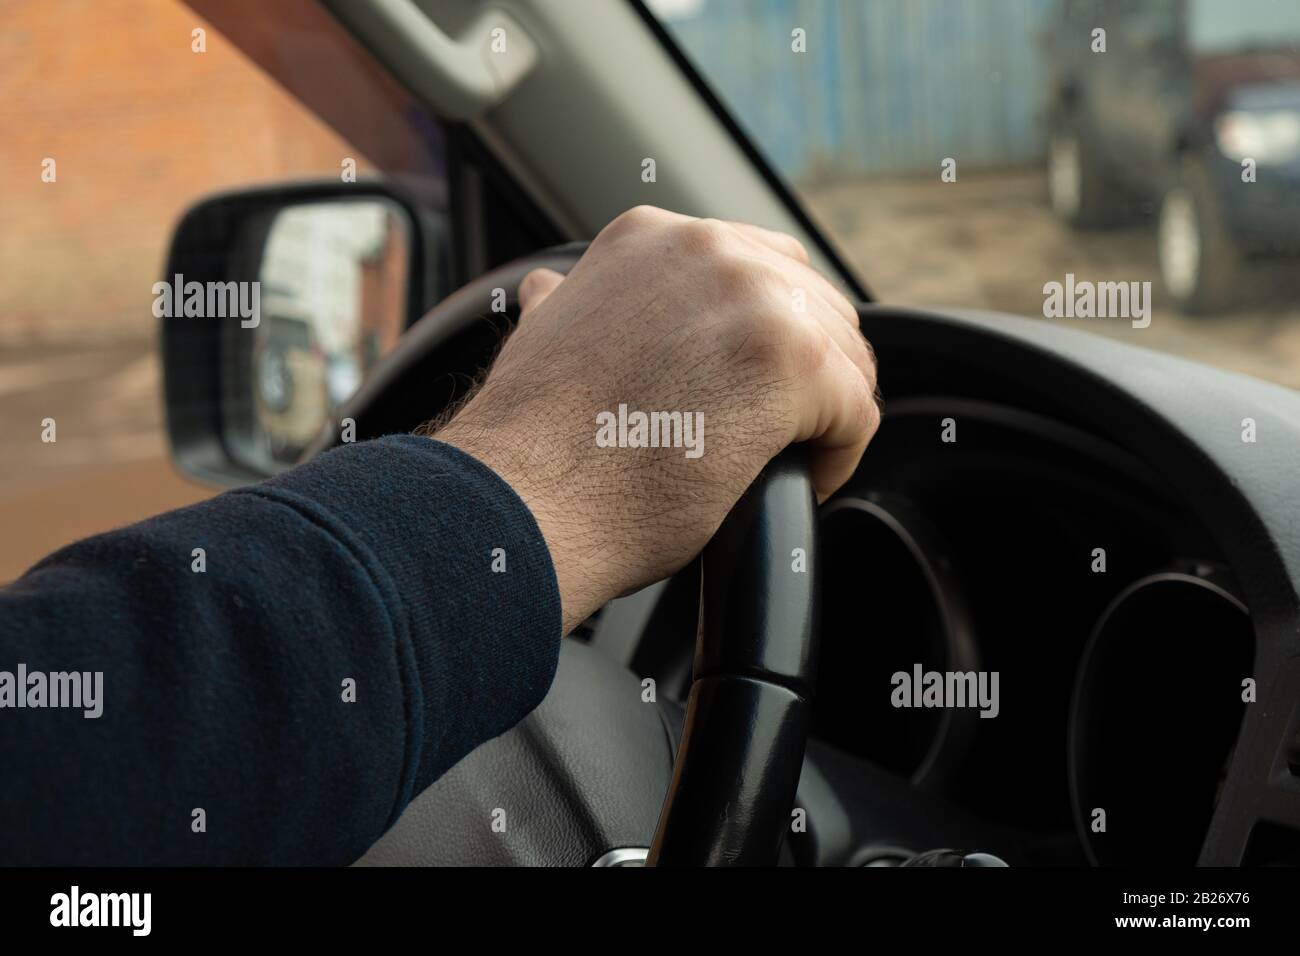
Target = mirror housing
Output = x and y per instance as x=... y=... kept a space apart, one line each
x=274 y=303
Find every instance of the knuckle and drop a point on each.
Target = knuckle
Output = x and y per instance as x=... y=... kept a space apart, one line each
x=705 y=237
x=631 y=220
x=641 y=215
x=794 y=247
x=738 y=276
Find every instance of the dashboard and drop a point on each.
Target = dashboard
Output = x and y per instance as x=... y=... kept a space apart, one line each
x=1028 y=549
x=1099 y=620
x=981 y=539
x=1070 y=531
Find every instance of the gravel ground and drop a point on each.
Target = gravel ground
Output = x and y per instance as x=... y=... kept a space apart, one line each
x=990 y=242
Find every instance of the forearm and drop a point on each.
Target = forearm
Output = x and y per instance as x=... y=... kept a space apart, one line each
x=346 y=641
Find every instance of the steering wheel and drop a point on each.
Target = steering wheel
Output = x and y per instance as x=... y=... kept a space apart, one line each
x=738 y=764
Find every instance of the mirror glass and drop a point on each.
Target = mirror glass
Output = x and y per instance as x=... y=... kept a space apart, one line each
x=333 y=280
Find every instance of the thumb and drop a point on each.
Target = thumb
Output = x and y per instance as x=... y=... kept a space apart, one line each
x=535 y=287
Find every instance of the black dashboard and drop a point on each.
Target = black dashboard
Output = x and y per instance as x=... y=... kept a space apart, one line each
x=1080 y=518
x=1020 y=519
x=1001 y=551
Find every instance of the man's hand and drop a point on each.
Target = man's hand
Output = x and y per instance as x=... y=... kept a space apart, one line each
x=665 y=313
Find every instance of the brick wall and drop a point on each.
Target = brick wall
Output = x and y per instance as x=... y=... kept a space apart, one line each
x=139 y=126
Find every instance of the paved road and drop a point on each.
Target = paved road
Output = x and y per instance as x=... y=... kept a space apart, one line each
x=108 y=466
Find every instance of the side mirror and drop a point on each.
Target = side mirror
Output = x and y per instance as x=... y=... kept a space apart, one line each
x=274 y=304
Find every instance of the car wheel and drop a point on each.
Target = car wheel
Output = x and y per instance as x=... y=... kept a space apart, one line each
x=1200 y=264
x=1081 y=194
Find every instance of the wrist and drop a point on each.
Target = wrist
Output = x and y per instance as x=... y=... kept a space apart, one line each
x=540 y=482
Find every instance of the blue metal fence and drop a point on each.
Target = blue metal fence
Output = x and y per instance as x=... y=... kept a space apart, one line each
x=885 y=85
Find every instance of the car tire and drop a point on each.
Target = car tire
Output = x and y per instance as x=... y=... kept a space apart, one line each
x=1081 y=194
x=1200 y=263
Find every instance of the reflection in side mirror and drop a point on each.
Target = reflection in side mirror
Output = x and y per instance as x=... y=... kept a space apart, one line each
x=325 y=278
x=333 y=301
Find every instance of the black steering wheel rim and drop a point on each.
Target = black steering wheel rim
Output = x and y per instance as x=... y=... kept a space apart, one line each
x=748 y=712
x=749 y=709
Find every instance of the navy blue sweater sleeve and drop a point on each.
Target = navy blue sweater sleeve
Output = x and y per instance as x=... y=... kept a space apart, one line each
x=349 y=631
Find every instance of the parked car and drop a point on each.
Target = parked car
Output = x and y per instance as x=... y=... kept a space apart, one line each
x=291 y=383
x=1191 y=112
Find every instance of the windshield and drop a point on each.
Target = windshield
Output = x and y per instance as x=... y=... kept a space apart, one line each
x=1077 y=161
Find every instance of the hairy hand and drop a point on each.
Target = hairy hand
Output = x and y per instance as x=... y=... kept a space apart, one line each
x=723 y=326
